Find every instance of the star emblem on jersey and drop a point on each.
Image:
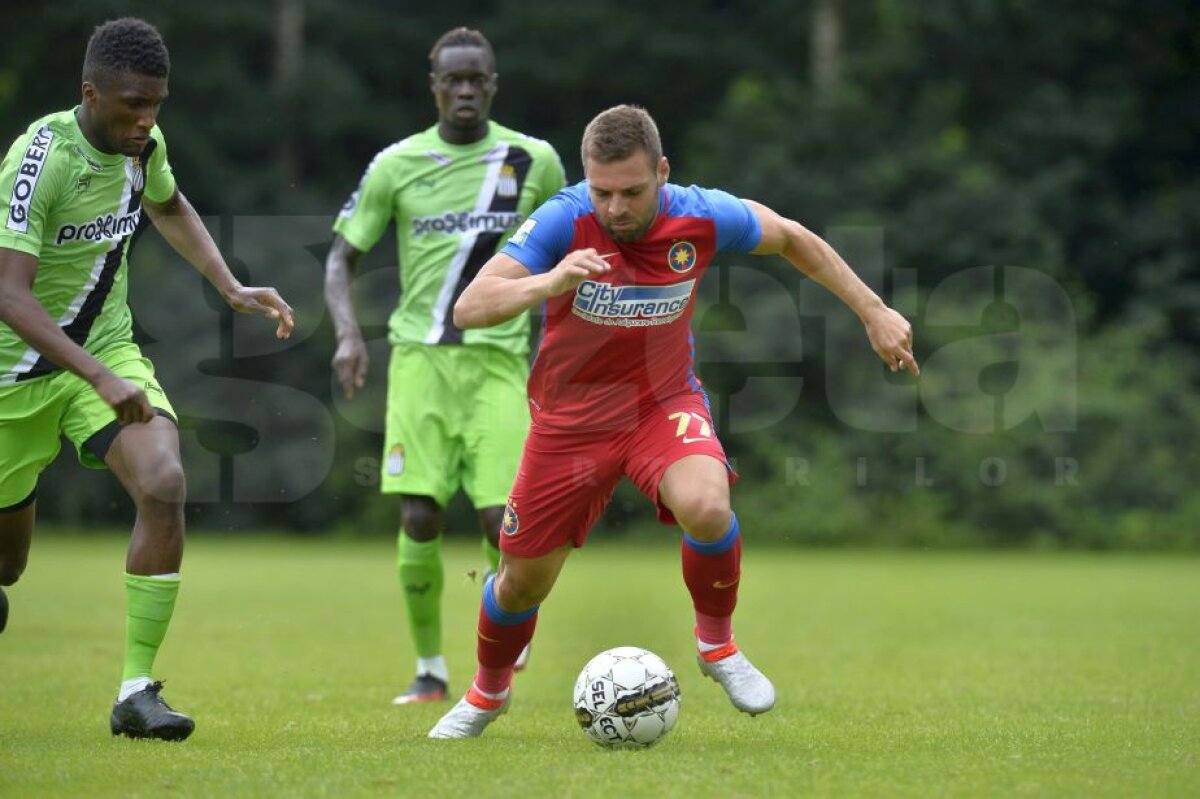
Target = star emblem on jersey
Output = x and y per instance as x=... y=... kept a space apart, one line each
x=510 y=523
x=682 y=256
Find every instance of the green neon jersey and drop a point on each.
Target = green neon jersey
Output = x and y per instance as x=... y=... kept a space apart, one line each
x=74 y=208
x=454 y=206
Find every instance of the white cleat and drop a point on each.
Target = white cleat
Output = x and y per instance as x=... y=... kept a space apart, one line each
x=466 y=720
x=748 y=688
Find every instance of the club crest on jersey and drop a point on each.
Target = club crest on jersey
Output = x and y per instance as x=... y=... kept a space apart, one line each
x=682 y=256
x=506 y=184
x=631 y=306
x=511 y=522
x=395 y=460
x=137 y=175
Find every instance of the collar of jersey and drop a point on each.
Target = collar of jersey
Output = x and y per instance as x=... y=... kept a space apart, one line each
x=486 y=143
x=104 y=159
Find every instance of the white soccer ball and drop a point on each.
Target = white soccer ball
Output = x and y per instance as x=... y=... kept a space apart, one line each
x=626 y=698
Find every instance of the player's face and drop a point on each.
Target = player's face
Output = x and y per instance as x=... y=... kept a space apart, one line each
x=121 y=110
x=463 y=83
x=625 y=193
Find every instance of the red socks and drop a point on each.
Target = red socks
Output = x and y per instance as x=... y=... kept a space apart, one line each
x=711 y=570
x=501 y=637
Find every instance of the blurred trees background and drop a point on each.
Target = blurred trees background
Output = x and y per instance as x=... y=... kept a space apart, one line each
x=1021 y=179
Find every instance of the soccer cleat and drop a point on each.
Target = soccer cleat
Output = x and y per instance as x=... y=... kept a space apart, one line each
x=425 y=688
x=749 y=690
x=470 y=717
x=522 y=659
x=145 y=715
x=3 y=610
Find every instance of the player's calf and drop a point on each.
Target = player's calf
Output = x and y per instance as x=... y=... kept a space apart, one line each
x=522 y=659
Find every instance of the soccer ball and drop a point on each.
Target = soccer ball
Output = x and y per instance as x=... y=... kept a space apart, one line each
x=626 y=698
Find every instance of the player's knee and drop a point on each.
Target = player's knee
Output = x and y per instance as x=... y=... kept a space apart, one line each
x=421 y=520
x=11 y=569
x=705 y=518
x=166 y=486
x=490 y=520
x=517 y=593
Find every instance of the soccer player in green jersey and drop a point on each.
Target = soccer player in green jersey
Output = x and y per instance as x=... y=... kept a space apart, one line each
x=76 y=183
x=457 y=412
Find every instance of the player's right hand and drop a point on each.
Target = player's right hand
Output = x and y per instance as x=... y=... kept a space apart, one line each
x=350 y=363
x=575 y=268
x=127 y=400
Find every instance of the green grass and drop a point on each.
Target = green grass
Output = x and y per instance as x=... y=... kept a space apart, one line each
x=898 y=674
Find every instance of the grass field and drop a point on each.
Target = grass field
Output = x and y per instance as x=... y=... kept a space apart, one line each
x=898 y=674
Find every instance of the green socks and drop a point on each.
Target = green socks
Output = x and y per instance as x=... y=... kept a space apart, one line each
x=421 y=578
x=150 y=601
x=491 y=554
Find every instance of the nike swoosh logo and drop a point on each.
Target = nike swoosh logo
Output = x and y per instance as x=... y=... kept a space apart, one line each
x=687 y=440
x=720 y=584
x=485 y=638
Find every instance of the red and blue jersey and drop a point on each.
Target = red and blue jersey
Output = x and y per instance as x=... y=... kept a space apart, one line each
x=620 y=345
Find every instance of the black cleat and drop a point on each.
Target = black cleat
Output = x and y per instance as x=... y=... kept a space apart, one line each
x=146 y=715
x=425 y=688
x=3 y=610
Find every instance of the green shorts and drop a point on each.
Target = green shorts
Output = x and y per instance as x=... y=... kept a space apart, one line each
x=33 y=415
x=456 y=415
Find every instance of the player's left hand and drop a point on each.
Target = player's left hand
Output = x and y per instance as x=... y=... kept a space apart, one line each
x=265 y=301
x=891 y=338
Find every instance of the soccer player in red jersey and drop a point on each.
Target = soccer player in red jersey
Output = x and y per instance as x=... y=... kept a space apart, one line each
x=616 y=260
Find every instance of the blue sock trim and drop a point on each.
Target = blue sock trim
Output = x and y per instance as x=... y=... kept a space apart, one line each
x=722 y=544
x=496 y=613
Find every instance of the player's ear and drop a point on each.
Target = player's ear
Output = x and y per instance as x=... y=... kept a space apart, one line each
x=89 y=93
x=664 y=171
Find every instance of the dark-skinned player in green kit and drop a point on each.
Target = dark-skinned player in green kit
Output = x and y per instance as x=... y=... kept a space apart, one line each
x=457 y=411
x=76 y=183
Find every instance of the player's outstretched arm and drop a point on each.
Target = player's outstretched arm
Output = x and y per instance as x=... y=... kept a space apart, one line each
x=504 y=288
x=21 y=311
x=350 y=360
x=180 y=225
x=889 y=332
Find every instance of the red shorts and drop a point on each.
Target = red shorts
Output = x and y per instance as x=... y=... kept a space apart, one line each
x=567 y=477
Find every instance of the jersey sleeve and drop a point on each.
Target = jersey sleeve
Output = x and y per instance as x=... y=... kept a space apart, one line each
x=31 y=179
x=365 y=216
x=551 y=178
x=160 y=178
x=543 y=239
x=738 y=229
